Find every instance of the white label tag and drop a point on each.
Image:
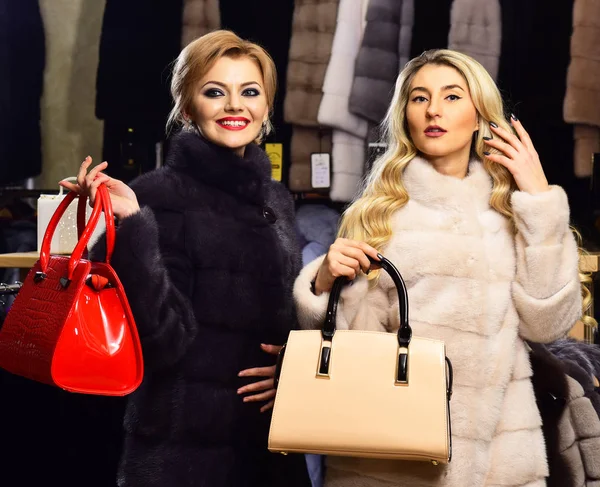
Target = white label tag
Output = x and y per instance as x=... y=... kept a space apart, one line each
x=320 y=170
x=374 y=152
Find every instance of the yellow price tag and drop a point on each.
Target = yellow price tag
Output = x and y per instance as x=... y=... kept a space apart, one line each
x=275 y=153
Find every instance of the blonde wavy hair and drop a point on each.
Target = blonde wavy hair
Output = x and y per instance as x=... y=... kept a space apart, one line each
x=369 y=217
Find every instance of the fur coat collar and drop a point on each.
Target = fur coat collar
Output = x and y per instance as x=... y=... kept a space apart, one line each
x=431 y=188
x=242 y=177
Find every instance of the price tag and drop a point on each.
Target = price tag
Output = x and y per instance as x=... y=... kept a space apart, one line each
x=374 y=152
x=320 y=170
x=275 y=153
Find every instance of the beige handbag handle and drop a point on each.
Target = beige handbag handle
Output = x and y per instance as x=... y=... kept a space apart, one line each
x=404 y=332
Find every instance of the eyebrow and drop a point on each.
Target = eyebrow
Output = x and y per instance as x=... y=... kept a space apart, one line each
x=247 y=83
x=444 y=88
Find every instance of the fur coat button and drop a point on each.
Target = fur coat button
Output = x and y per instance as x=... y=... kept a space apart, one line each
x=269 y=215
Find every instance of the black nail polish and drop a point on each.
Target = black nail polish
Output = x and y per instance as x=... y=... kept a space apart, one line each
x=514 y=117
x=486 y=153
x=367 y=271
x=380 y=257
x=492 y=124
x=487 y=138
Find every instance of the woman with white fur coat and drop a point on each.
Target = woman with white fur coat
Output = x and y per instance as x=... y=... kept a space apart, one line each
x=461 y=205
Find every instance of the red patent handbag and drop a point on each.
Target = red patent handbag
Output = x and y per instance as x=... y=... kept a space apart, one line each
x=70 y=324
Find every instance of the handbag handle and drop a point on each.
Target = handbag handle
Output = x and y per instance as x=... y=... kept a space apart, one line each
x=102 y=203
x=81 y=209
x=109 y=217
x=404 y=332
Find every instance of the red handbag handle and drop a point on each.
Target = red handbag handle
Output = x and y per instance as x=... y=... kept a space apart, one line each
x=110 y=221
x=81 y=209
x=109 y=217
x=102 y=202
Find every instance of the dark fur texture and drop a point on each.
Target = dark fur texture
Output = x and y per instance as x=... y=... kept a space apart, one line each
x=587 y=355
x=209 y=278
x=574 y=370
x=551 y=394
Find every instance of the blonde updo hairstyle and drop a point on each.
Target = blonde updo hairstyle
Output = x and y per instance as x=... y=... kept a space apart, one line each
x=198 y=58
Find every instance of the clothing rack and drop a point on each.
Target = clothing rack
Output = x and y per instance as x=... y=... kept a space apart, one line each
x=304 y=197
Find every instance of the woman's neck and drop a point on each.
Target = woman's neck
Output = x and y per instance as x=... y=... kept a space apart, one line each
x=455 y=165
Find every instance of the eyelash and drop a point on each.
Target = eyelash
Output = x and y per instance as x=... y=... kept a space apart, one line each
x=417 y=98
x=214 y=92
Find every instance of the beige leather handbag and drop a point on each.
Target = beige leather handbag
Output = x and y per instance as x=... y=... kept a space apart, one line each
x=361 y=393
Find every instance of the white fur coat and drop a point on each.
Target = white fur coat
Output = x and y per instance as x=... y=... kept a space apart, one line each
x=483 y=290
x=349 y=130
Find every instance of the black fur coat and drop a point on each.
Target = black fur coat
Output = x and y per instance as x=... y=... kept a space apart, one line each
x=208 y=265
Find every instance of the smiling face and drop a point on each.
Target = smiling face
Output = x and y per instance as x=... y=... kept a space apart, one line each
x=441 y=116
x=229 y=104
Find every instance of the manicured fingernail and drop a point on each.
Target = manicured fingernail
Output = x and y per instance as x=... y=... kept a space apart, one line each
x=367 y=271
x=380 y=257
x=241 y=374
x=514 y=117
x=245 y=399
x=239 y=391
x=487 y=138
x=486 y=153
x=492 y=124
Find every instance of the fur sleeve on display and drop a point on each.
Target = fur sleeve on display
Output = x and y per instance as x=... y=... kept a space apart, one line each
x=586 y=355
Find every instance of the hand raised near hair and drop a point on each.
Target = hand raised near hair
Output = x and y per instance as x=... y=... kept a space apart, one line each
x=519 y=156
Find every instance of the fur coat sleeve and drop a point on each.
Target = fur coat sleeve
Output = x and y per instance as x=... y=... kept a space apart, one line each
x=546 y=290
x=579 y=435
x=161 y=278
x=376 y=66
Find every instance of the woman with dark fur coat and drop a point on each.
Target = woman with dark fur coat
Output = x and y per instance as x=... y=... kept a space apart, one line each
x=206 y=252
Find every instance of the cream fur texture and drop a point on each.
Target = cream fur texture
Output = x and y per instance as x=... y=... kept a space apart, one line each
x=483 y=290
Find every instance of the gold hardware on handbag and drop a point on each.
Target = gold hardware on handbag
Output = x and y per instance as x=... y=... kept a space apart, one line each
x=361 y=393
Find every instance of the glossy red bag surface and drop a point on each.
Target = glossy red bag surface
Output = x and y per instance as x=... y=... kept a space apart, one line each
x=70 y=324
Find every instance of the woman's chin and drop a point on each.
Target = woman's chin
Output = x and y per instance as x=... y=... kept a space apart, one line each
x=235 y=143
